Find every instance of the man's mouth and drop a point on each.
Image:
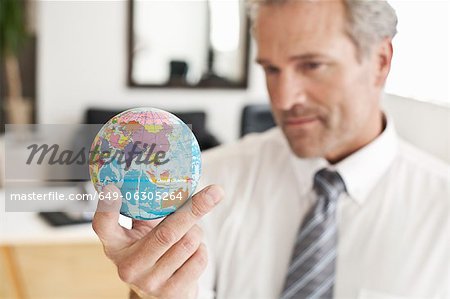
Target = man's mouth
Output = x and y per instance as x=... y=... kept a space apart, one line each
x=300 y=121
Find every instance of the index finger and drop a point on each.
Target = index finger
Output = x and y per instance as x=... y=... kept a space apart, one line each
x=176 y=225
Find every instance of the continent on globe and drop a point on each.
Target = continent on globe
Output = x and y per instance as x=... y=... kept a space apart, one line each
x=151 y=156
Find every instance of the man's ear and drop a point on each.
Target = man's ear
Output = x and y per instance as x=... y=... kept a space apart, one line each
x=384 y=54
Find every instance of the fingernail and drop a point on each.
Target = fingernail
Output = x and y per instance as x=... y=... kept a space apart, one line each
x=214 y=194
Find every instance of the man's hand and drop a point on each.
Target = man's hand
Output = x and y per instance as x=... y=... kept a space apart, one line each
x=158 y=258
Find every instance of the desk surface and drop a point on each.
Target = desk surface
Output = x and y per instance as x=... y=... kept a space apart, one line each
x=29 y=228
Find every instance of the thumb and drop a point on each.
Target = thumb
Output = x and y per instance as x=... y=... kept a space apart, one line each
x=106 y=219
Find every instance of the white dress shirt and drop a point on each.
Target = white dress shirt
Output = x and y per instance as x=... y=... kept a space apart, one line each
x=393 y=222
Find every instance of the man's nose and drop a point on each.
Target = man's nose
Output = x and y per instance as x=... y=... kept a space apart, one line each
x=288 y=92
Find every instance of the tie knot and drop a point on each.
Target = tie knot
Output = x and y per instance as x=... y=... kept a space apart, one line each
x=329 y=183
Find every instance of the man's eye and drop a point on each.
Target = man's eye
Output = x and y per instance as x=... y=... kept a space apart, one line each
x=310 y=66
x=270 y=70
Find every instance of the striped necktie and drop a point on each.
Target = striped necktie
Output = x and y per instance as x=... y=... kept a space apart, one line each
x=311 y=273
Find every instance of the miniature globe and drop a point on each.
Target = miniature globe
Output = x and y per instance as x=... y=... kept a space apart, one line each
x=151 y=156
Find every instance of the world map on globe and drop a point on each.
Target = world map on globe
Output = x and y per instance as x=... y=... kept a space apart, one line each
x=151 y=156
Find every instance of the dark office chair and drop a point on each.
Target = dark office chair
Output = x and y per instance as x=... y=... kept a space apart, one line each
x=256 y=118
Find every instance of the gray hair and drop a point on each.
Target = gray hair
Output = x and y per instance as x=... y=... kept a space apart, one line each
x=368 y=21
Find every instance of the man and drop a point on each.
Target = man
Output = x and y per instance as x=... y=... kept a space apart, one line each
x=329 y=204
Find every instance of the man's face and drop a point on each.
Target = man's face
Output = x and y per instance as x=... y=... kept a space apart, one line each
x=323 y=97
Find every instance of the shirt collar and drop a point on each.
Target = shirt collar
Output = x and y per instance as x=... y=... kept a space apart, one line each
x=360 y=171
x=304 y=171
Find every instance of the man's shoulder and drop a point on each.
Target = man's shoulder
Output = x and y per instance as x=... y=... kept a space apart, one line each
x=242 y=166
x=430 y=173
x=422 y=161
x=240 y=162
